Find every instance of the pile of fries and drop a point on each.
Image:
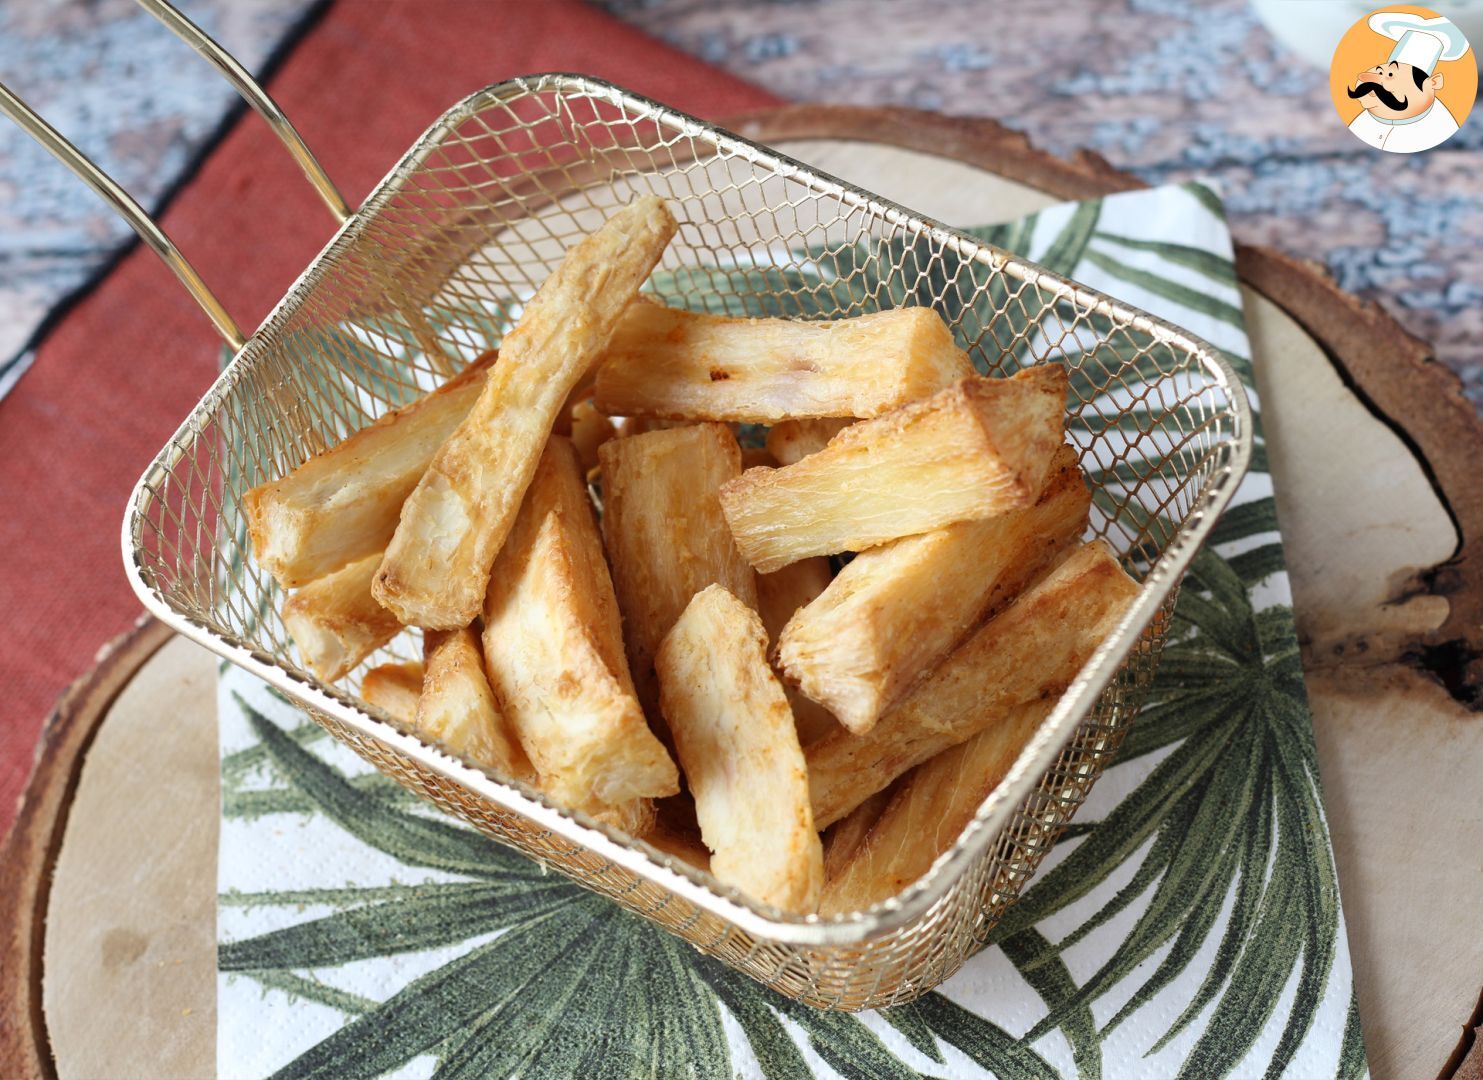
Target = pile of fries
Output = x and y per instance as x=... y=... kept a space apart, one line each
x=691 y=669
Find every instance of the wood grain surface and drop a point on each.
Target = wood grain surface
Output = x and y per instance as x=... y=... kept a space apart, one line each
x=1378 y=540
x=132 y=914
x=35 y=839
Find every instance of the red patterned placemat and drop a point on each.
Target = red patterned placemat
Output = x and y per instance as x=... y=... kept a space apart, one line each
x=120 y=372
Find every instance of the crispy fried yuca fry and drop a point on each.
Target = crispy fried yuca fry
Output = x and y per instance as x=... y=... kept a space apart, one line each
x=779 y=596
x=689 y=366
x=458 y=709
x=1030 y=651
x=925 y=812
x=454 y=523
x=740 y=753
x=336 y=623
x=394 y=689
x=979 y=448
x=580 y=393
x=635 y=817
x=665 y=536
x=848 y=834
x=343 y=504
x=896 y=610
x=790 y=441
x=553 y=649
x=590 y=429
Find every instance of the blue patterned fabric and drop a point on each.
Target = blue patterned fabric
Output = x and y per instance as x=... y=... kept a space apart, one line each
x=130 y=96
x=1166 y=89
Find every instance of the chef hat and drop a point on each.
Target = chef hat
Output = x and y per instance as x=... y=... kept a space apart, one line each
x=1420 y=42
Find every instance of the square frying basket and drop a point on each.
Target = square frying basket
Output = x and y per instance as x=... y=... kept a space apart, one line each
x=435 y=267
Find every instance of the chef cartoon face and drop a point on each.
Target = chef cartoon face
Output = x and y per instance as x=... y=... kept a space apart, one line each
x=1396 y=91
x=1401 y=112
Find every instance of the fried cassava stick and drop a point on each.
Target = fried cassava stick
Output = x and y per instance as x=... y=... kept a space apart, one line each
x=737 y=745
x=979 y=448
x=553 y=649
x=683 y=365
x=590 y=429
x=1031 y=650
x=790 y=441
x=783 y=594
x=335 y=621
x=925 y=813
x=847 y=835
x=456 y=520
x=665 y=536
x=342 y=505
x=458 y=709
x=897 y=609
x=780 y=595
x=394 y=689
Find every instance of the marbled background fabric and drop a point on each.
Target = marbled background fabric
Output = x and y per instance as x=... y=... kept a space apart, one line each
x=1167 y=89
x=131 y=97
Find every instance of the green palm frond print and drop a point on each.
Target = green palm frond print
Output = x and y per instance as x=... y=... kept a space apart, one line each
x=503 y=1007
x=1188 y=923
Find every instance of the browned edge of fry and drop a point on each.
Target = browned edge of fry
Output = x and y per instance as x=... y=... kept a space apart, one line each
x=394 y=689
x=253 y=510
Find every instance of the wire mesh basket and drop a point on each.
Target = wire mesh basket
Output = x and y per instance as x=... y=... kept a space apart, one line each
x=436 y=265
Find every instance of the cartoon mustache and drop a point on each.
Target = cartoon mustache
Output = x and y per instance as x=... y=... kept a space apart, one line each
x=1389 y=100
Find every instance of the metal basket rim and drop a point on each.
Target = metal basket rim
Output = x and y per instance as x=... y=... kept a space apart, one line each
x=639 y=858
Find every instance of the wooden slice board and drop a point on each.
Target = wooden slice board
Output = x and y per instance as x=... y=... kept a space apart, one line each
x=110 y=883
x=110 y=874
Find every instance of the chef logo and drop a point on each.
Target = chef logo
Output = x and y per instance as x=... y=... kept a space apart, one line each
x=1404 y=79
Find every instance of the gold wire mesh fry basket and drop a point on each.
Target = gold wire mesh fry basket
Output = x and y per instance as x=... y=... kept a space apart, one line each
x=427 y=273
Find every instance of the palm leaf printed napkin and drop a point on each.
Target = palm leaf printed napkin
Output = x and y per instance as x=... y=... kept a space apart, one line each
x=1187 y=924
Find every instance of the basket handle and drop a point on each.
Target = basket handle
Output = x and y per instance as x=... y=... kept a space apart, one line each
x=128 y=207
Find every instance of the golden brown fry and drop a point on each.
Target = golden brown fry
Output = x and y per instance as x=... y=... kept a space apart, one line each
x=590 y=429
x=456 y=520
x=896 y=610
x=394 y=689
x=635 y=817
x=926 y=812
x=458 y=709
x=580 y=393
x=979 y=448
x=847 y=835
x=740 y=753
x=665 y=536
x=1030 y=651
x=790 y=441
x=688 y=366
x=779 y=596
x=342 y=505
x=336 y=623
x=553 y=649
